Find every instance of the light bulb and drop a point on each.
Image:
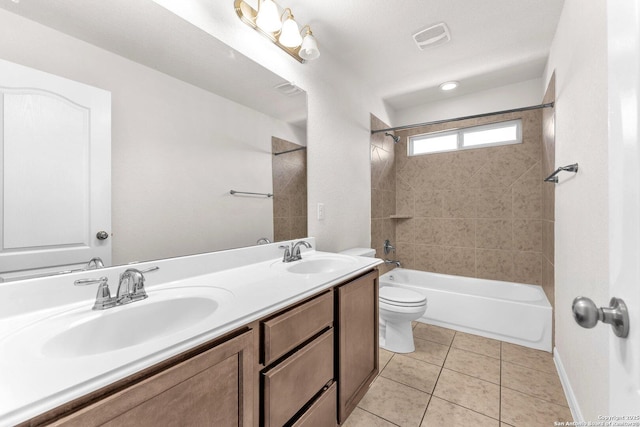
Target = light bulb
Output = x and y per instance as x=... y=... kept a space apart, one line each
x=309 y=49
x=448 y=85
x=290 y=34
x=268 y=18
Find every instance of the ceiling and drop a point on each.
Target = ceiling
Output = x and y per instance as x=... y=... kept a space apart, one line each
x=493 y=42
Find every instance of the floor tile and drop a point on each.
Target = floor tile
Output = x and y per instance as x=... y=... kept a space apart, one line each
x=477 y=344
x=474 y=364
x=412 y=372
x=434 y=333
x=429 y=351
x=362 y=418
x=535 y=383
x=442 y=413
x=395 y=402
x=383 y=358
x=519 y=409
x=534 y=359
x=472 y=393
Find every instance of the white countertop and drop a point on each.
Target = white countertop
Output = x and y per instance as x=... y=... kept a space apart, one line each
x=32 y=382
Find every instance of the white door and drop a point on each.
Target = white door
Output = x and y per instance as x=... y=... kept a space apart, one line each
x=624 y=210
x=55 y=184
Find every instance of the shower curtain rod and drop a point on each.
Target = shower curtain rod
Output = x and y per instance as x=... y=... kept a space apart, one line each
x=290 y=151
x=475 y=116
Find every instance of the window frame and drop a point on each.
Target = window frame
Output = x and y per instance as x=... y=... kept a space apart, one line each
x=460 y=132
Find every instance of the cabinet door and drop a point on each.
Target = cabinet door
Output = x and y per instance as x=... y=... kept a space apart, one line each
x=214 y=388
x=358 y=340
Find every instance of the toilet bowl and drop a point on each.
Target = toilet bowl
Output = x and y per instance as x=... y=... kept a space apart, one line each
x=398 y=307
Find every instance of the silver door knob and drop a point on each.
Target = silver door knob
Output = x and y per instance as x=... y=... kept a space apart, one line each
x=102 y=235
x=587 y=314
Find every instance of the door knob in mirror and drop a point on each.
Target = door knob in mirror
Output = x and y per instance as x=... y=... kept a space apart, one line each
x=102 y=235
x=587 y=314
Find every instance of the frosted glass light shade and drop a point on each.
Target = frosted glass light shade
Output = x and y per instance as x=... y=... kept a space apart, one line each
x=268 y=18
x=290 y=35
x=309 y=49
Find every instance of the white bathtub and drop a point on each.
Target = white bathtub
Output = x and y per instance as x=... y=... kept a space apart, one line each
x=512 y=312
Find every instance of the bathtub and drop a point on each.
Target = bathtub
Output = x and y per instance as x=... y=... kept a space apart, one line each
x=512 y=312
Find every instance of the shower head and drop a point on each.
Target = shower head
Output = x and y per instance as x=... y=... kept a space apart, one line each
x=396 y=139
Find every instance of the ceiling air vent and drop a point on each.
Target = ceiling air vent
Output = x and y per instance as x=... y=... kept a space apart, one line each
x=288 y=89
x=433 y=36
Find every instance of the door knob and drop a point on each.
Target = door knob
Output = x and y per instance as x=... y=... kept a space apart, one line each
x=102 y=235
x=587 y=315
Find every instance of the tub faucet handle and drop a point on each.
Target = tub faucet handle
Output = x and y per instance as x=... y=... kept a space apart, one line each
x=388 y=247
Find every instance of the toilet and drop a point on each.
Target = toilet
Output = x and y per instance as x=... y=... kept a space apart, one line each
x=398 y=307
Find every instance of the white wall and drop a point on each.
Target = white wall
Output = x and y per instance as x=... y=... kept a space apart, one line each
x=516 y=95
x=177 y=150
x=579 y=58
x=338 y=130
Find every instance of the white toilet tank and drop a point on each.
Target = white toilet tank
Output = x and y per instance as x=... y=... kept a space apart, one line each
x=368 y=252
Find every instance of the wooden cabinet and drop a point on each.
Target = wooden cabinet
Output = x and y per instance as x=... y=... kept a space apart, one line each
x=214 y=388
x=357 y=325
x=305 y=366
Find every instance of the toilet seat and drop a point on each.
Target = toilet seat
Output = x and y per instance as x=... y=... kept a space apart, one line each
x=401 y=297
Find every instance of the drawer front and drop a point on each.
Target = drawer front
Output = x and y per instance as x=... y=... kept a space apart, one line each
x=290 y=329
x=293 y=383
x=323 y=412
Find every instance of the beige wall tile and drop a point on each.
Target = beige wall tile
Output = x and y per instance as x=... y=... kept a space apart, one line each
x=494 y=202
x=405 y=253
x=459 y=261
x=494 y=233
x=376 y=204
x=548 y=236
x=428 y=203
x=459 y=203
x=494 y=264
x=406 y=230
x=527 y=194
x=456 y=232
x=298 y=227
x=428 y=258
x=527 y=235
x=527 y=268
x=388 y=203
x=427 y=231
x=405 y=198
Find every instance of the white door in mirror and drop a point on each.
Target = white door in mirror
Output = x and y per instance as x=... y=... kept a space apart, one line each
x=56 y=194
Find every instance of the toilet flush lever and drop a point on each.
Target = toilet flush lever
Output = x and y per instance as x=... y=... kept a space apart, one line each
x=587 y=314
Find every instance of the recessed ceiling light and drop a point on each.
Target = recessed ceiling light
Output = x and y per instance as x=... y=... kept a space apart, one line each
x=448 y=85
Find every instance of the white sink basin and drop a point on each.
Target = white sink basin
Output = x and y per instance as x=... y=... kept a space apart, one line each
x=318 y=264
x=84 y=332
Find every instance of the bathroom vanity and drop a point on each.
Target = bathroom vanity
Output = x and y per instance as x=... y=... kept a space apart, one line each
x=297 y=345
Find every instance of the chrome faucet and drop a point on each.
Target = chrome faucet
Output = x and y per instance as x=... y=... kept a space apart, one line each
x=396 y=263
x=130 y=288
x=95 y=263
x=263 y=241
x=294 y=254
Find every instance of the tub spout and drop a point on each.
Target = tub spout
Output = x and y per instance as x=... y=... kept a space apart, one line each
x=389 y=261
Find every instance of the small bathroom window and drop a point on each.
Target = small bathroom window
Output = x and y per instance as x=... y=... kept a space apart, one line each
x=501 y=133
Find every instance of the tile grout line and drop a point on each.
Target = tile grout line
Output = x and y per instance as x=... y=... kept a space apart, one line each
x=377 y=416
x=438 y=378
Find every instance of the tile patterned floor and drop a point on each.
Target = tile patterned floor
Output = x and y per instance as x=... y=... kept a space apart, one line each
x=457 y=379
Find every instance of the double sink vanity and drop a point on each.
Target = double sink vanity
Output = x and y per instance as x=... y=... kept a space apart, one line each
x=237 y=337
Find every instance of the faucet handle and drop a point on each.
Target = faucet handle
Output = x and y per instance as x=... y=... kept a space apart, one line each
x=103 y=296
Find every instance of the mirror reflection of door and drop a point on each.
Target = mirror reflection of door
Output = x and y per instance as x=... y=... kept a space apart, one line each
x=289 y=165
x=56 y=172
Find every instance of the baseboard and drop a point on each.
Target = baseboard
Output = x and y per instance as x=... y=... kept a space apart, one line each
x=576 y=413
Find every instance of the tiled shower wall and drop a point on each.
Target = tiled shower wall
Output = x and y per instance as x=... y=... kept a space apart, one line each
x=383 y=189
x=476 y=213
x=289 y=191
x=548 y=194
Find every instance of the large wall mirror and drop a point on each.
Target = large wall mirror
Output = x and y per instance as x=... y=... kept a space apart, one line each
x=191 y=119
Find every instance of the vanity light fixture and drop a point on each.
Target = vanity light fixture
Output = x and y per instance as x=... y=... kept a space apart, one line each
x=286 y=35
x=449 y=85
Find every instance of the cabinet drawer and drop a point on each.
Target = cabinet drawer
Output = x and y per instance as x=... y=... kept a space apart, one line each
x=284 y=332
x=323 y=412
x=294 y=382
